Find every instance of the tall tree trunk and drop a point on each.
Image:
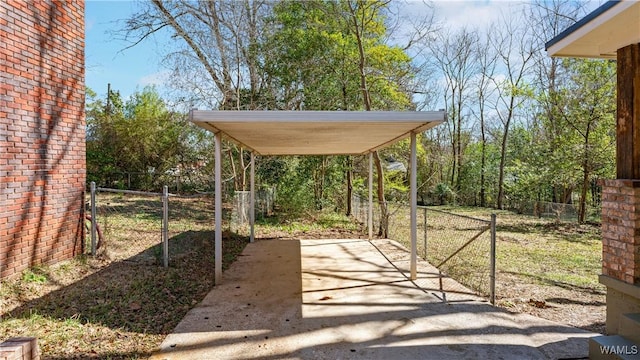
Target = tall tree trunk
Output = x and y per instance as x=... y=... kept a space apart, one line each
x=243 y=184
x=236 y=180
x=483 y=161
x=503 y=160
x=457 y=184
x=454 y=148
x=366 y=98
x=585 y=178
x=383 y=229
x=583 y=194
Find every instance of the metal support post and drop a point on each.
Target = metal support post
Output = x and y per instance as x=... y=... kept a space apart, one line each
x=370 y=209
x=94 y=222
x=252 y=202
x=217 y=248
x=414 y=201
x=492 y=275
x=424 y=211
x=165 y=226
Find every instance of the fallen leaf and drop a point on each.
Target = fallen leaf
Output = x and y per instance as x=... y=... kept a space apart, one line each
x=538 y=303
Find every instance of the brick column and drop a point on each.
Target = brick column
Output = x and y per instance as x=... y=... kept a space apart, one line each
x=621 y=230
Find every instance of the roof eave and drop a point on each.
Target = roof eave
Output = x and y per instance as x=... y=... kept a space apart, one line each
x=599 y=34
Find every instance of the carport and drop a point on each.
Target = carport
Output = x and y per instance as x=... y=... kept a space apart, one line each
x=268 y=133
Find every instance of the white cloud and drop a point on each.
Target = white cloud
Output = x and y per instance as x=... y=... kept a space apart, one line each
x=158 y=79
x=474 y=14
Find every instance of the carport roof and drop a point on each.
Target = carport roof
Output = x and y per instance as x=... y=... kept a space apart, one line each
x=316 y=132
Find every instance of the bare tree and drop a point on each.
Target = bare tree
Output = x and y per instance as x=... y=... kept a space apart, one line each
x=213 y=58
x=515 y=54
x=486 y=59
x=213 y=53
x=454 y=55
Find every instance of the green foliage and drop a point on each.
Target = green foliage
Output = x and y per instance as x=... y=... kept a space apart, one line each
x=554 y=118
x=311 y=58
x=140 y=143
x=470 y=173
x=444 y=194
x=33 y=275
x=308 y=183
x=311 y=55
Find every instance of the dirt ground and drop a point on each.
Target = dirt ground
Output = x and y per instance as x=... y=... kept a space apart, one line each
x=582 y=308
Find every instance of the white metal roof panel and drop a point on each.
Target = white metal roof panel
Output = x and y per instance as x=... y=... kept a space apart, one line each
x=316 y=132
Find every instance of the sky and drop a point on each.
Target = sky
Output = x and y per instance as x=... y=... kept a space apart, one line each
x=107 y=60
x=129 y=70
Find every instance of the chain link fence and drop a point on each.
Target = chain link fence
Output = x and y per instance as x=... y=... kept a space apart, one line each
x=461 y=247
x=133 y=221
x=125 y=222
x=265 y=199
x=557 y=211
x=458 y=246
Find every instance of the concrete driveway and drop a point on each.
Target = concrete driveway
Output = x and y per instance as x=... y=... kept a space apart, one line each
x=351 y=299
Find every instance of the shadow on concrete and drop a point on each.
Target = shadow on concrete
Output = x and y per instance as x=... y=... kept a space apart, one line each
x=322 y=299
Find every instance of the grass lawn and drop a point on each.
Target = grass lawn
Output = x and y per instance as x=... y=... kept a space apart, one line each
x=543 y=250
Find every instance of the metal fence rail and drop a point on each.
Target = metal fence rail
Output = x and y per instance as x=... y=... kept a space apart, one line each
x=461 y=247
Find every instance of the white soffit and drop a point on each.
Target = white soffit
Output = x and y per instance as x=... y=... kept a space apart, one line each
x=610 y=27
x=316 y=132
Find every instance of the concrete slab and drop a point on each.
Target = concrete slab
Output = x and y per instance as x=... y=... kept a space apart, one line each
x=352 y=299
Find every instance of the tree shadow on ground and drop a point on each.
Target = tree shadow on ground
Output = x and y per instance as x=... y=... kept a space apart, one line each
x=571 y=232
x=138 y=295
x=560 y=284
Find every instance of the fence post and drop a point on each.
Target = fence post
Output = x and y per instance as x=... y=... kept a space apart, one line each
x=94 y=222
x=165 y=225
x=424 y=211
x=492 y=275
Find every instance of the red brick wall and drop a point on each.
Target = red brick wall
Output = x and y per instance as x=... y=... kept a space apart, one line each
x=621 y=230
x=42 y=132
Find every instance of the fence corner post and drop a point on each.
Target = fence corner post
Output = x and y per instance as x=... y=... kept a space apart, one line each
x=165 y=226
x=94 y=222
x=492 y=276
